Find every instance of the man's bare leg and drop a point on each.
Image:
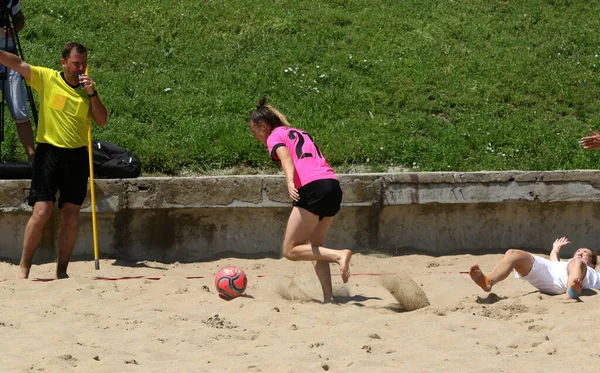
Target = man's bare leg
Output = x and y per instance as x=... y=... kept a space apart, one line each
x=42 y=211
x=69 y=227
x=576 y=271
x=519 y=260
x=25 y=133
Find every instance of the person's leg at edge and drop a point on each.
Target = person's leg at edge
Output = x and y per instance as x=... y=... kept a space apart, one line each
x=16 y=100
x=576 y=270
x=322 y=268
x=69 y=227
x=25 y=133
x=297 y=246
x=519 y=260
x=42 y=211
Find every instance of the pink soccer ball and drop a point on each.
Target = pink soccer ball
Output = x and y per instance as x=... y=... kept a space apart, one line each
x=230 y=282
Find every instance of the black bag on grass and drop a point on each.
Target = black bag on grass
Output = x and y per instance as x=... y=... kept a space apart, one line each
x=113 y=162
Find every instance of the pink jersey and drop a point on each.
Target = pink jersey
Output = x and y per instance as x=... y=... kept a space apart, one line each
x=309 y=163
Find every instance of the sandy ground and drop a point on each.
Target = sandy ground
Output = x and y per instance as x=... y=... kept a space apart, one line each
x=171 y=320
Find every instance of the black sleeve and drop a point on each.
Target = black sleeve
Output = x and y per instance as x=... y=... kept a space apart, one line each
x=274 y=151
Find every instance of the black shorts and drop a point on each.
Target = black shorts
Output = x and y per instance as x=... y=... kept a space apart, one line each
x=321 y=197
x=59 y=169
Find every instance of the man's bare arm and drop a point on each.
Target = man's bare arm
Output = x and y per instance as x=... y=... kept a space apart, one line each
x=15 y=63
x=99 y=112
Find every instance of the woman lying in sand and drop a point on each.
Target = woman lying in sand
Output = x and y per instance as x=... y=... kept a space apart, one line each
x=548 y=276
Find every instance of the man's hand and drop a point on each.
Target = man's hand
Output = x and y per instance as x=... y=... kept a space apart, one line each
x=590 y=142
x=88 y=84
x=556 y=246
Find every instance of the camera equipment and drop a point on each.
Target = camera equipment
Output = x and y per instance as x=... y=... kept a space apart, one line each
x=7 y=22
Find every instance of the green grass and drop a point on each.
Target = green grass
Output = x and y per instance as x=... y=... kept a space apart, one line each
x=460 y=85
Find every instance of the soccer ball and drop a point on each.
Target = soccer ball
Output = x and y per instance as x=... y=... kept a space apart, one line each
x=230 y=282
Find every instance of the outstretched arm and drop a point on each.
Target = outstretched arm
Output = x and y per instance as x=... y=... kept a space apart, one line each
x=288 y=169
x=558 y=244
x=15 y=63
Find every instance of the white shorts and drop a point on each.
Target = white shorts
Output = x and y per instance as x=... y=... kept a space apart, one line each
x=551 y=277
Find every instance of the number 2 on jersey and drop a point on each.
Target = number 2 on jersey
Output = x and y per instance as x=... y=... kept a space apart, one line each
x=293 y=134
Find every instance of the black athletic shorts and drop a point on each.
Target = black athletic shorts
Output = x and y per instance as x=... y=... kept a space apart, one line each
x=59 y=169
x=321 y=197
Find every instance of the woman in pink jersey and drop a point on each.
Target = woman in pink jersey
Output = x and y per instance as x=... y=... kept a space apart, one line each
x=313 y=188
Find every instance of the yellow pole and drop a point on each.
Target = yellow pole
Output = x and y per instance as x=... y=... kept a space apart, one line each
x=93 y=194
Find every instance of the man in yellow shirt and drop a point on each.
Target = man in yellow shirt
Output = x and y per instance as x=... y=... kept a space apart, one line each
x=68 y=103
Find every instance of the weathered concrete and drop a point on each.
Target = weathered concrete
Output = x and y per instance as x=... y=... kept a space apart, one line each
x=188 y=219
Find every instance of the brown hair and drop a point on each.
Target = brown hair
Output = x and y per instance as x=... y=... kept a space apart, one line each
x=79 y=48
x=593 y=255
x=268 y=115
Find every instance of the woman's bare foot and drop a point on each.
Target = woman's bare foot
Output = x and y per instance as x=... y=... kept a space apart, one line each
x=479 y=278
x=344 y=261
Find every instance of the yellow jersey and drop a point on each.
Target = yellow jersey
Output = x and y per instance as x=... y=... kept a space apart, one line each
x=65 y=112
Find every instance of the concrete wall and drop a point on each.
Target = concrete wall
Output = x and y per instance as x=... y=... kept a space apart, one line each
x=189 y=219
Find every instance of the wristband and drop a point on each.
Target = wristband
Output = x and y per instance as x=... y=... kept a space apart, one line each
x=93 y=94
